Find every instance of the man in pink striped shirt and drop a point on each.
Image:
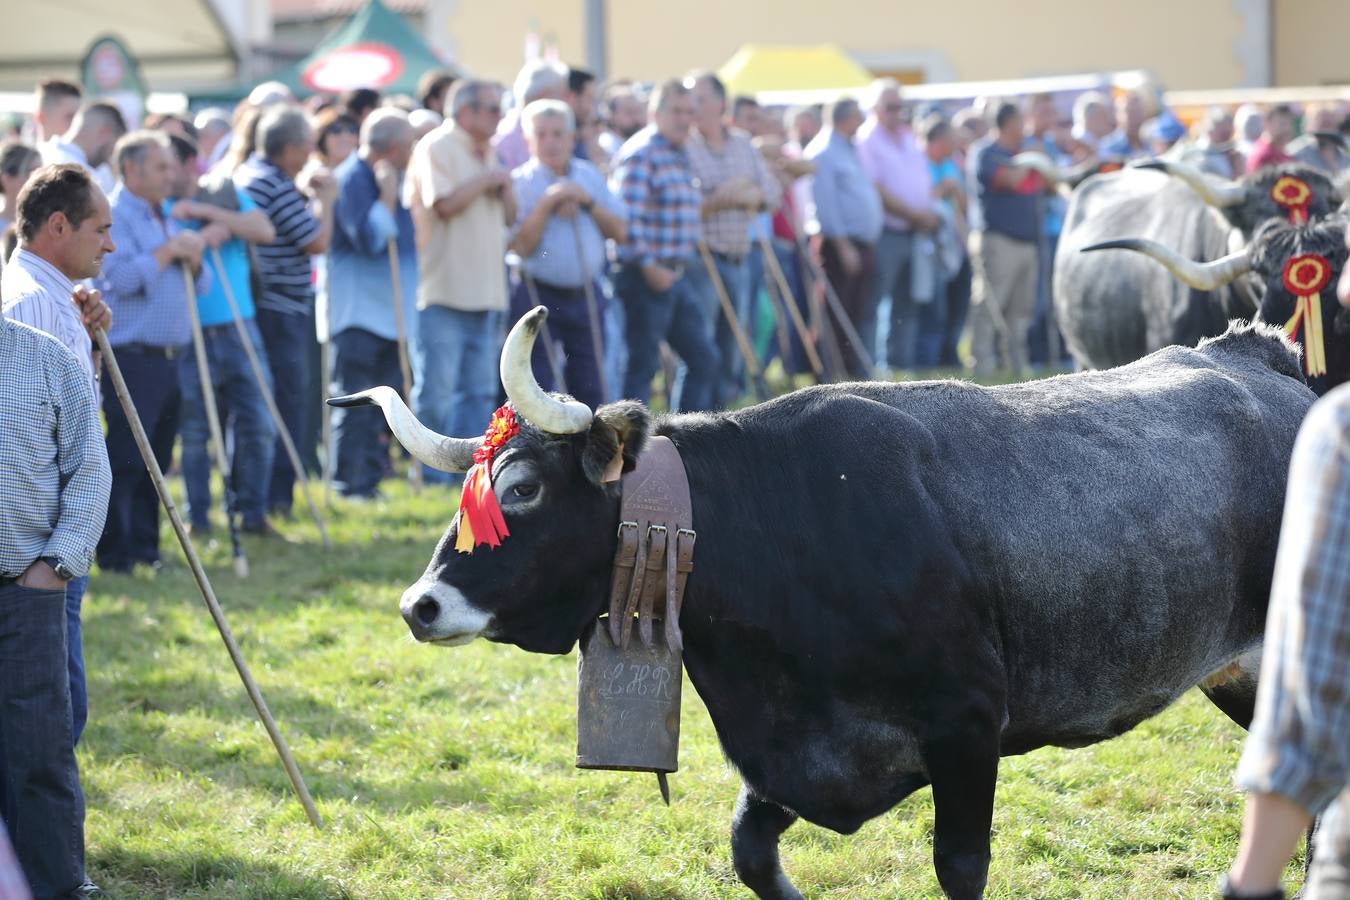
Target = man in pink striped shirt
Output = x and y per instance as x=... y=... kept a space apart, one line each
x=891 y=155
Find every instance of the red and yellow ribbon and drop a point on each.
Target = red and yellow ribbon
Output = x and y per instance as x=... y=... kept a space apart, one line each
x=480 y=515
x=1304 y=277
x=1294 y=195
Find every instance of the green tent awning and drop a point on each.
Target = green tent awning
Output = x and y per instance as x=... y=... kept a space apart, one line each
x=375 y=49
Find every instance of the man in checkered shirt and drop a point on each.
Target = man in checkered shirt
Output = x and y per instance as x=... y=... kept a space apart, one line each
x=1297 y=760
x=661 y=301
x=54 y=484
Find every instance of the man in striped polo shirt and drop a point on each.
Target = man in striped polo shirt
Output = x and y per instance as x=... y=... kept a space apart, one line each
x=286 y=307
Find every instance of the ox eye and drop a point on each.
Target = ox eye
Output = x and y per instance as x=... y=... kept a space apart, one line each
x=525 y=490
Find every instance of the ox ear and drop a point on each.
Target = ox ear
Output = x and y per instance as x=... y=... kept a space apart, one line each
x=614 y=441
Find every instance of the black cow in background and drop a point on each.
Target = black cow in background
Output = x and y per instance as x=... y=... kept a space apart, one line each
x=1291 y=262
x=895 y=585
x=1114 y=308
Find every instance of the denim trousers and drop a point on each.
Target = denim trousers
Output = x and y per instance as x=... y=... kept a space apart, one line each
x=456 y=356
x=287 y=339
x=894 y=250
x=361 y=360
x=41 y=803
x=131 y=532
x=250 y=436
x=678 y=317
x=735 y=277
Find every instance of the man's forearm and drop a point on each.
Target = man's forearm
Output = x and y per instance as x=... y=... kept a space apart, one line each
x=532 y=229
x=1272 y=825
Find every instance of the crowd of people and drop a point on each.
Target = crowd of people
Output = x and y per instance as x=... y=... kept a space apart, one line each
x=668 y=228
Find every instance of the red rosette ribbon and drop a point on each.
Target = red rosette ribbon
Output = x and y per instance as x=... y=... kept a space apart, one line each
x=480 y=515
x=1304 y=277
x=1294 y=195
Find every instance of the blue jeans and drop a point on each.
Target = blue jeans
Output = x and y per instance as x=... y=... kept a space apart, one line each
x=288 y=339
x=677 y=317
x=456 y=357
x=735 y=276
x=893 y=276
x=569 y=325
x=250 y=436
x=616 y=342
x=360 y=360
x=79 y=693
x=41 y=803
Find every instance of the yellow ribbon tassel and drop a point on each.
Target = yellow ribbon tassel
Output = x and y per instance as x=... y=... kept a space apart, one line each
x=1309 y=309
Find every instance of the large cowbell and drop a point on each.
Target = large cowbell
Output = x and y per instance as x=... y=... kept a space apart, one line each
x=628 y=703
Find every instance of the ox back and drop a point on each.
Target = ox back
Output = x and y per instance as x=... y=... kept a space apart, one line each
x=1114 y=307
x=899 y=583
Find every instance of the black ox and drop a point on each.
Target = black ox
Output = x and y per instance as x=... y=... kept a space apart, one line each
x=1114 y=308
x=898 y=584
x=1275 y=248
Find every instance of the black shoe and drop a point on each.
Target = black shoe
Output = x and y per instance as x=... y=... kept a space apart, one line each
x=89 y=891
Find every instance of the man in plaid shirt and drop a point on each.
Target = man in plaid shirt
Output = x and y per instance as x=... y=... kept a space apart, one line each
x=1297 y=759
x=736 y=185
x=653 y=180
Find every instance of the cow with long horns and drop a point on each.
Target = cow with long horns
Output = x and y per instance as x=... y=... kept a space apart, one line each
x=1113 y=308
x=1298 y=266
x=898 y=584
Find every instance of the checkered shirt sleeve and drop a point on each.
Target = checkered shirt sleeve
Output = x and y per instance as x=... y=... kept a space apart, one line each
x=1299 y=746
x=54 y=474
x=663 y=205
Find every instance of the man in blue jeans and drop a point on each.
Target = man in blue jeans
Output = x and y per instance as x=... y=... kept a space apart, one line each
x=228 y=221
x=461 y=201
x=302 y=216
x=361 y=320
x=54 y=485
x=662 y=302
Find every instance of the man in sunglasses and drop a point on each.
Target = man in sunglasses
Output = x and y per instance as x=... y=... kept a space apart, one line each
x=460 y=197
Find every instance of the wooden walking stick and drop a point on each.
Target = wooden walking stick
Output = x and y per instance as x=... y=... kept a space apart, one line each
x=832 y=356
x=401 y=327
x=592 y=313
x=271 y=402
x=213 y=421
x=845 y=323
x=203 y=583
x=752 y=369
x=795 y=314
x=550 y=348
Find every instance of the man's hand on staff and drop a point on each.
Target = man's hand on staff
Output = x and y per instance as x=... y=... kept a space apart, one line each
x=567 y=197
x=94 y=313
x=386 y=177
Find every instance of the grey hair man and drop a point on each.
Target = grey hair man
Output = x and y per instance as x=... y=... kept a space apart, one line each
x=539 y=80
x=460 y=197
x=301 y=211
x=89 y=142
x=1092 y=120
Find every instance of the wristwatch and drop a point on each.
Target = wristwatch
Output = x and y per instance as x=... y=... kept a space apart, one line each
x=60 y=568
x=1228 y=892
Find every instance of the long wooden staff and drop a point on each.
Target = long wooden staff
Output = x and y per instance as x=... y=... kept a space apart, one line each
x=795 y=314
x=592 y=314
x=757 y=385
x=203 y=583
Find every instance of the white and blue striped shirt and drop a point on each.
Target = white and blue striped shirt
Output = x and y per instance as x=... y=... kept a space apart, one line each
x=54 y=474
x=283 y=265
x=37 y=293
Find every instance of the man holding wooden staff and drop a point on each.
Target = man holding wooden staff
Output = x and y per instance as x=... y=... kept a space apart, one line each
x=362 y=321
x=566 y=212
x=144 y=286
x=228 y=220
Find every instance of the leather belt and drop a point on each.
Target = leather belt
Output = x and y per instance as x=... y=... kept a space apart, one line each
x=656 y=547
x=168 y=352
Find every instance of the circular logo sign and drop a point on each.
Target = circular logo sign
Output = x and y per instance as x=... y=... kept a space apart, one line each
x=357 y=66
x=107 y=67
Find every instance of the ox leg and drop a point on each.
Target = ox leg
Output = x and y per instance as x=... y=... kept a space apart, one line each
x=755 y=829
x=963 y=773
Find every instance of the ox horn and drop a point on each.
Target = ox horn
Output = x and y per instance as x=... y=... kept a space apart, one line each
x=1213 y=191
x=530 y=400
x=1207 y=276
x=1040 y=163
x=435 y=450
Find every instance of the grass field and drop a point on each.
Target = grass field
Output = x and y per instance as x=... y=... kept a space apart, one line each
x=448 y=773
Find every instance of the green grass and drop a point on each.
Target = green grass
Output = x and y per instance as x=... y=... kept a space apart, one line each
x=448 y=773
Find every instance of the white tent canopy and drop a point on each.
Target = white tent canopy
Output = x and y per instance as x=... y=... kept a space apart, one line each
x=177 y=42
